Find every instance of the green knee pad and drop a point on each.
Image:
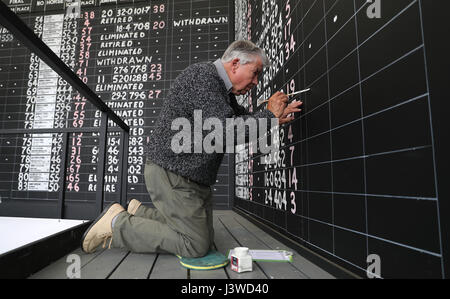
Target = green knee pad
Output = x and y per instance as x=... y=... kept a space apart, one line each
x=212 y=260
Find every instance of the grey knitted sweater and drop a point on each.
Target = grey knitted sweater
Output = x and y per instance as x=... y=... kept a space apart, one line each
x=199 y=87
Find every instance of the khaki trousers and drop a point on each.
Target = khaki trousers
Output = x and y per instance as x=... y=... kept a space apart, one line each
x=181 y=222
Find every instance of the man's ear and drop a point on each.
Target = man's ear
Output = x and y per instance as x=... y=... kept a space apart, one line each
x=235 y=63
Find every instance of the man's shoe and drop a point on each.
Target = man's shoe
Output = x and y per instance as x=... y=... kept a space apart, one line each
x=133 y=206
x=101 y=229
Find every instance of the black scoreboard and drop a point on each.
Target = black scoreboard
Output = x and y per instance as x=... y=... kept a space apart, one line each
x=128 y=52
x=354 y=176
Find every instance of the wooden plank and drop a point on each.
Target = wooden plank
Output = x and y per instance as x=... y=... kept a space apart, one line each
x=58 y=269
x=210 y=274
x=231 y=230
x=135 y=266
x=273 y=270
x=306 y=267
x=104 y=264
x=224 y=241
x=167 y=266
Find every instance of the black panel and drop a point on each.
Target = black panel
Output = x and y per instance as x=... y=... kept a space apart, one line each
x=361 y=167
x=128 y=54
x=349 y=212
x=407 y=221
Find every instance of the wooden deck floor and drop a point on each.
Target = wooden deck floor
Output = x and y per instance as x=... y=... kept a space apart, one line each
x=231 y=230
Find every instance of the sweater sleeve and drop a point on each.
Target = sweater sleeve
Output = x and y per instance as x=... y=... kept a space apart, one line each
x=243 y=113
x=207 y=95
x=245 y=127
x=262 y=119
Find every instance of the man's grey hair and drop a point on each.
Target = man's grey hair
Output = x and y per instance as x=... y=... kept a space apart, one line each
x=246 y=51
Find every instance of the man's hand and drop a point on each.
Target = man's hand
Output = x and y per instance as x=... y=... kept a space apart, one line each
x=290 y=109
x=277 y=104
